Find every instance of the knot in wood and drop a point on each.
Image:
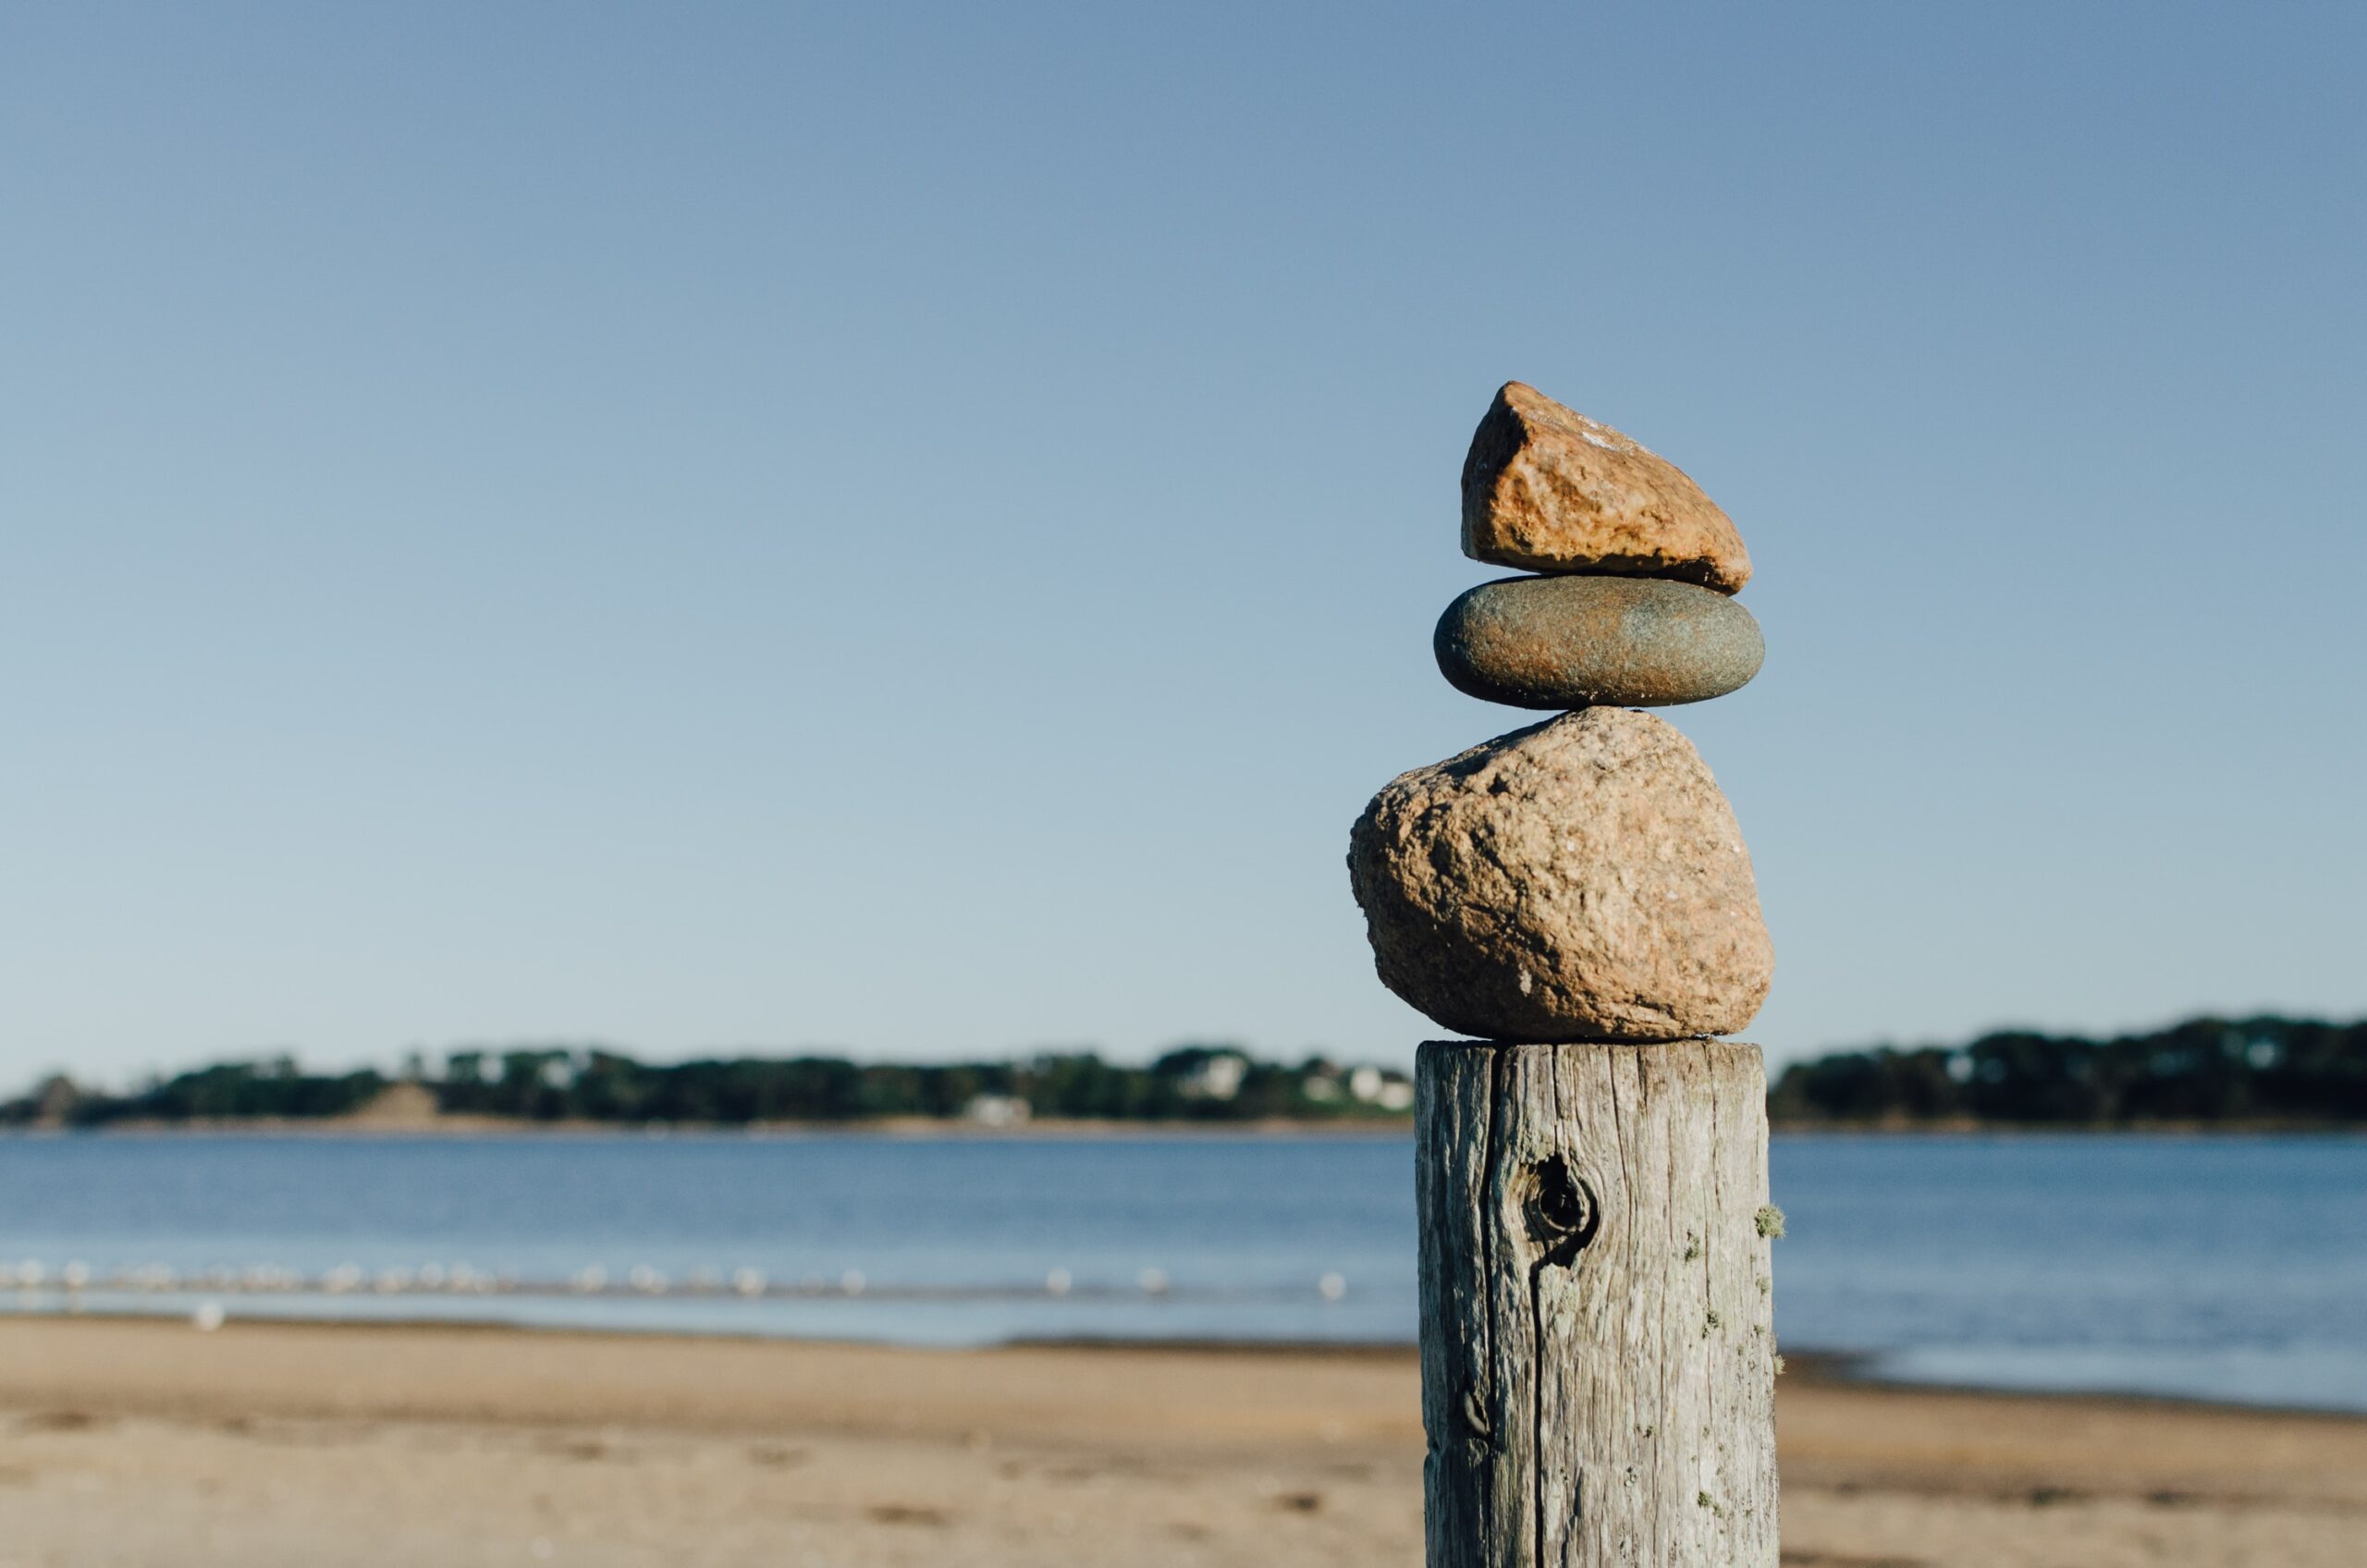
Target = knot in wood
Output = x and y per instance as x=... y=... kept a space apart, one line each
x=1562 y=1212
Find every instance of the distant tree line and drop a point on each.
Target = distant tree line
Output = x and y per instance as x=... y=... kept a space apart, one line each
x=2252 y=1071
x=2248 y=1071
x=548 y=1084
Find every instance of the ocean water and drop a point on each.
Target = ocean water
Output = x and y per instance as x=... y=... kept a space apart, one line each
x=2231 y=1269
x=2209 y=1267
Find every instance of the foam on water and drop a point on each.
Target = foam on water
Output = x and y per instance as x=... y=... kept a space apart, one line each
x=2222 y=1268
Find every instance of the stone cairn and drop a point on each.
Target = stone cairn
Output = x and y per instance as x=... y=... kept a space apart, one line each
x=1598 y=1340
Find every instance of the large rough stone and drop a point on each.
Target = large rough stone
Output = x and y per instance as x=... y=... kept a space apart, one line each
x=1547 y=489
x=1580 y=642
x=1582 y=880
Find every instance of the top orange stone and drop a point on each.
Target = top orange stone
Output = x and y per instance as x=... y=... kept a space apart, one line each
x=1547 y=489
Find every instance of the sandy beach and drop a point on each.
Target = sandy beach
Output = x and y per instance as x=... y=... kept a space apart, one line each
x=270 y=1446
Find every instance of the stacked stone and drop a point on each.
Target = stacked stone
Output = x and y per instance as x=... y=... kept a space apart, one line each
x=1583 y=879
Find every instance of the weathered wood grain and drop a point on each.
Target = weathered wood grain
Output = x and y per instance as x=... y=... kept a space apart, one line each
x=1598 y=1338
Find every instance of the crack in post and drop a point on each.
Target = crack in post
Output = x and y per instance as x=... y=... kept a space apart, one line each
x=1563 y=1215
x=1497 y=1059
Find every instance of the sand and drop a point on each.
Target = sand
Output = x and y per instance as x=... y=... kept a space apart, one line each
x=273 y=1446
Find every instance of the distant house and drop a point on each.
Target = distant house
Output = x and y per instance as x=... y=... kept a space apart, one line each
x=1377 y=1086
x=997 y=1111
x=397 y=1105
x=1204 y=1073
x=1216 y=1077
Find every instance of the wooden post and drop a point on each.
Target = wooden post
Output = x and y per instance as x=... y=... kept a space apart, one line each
x=1598 y=1339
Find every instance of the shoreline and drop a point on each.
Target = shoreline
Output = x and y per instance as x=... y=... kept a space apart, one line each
x=283 y=1445
x=1807 y=1369
x=915 y=1128
x=1087 y=1129
x=1822 y=1369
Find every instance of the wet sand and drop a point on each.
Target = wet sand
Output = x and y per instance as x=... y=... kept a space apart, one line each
x=273 y=1446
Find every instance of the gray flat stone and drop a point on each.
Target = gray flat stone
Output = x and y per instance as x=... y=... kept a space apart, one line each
x=1584 y=642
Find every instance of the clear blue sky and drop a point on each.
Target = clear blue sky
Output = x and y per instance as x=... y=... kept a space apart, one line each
x=915 y=529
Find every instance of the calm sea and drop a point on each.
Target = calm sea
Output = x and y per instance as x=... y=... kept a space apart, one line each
x=2227 y=1268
